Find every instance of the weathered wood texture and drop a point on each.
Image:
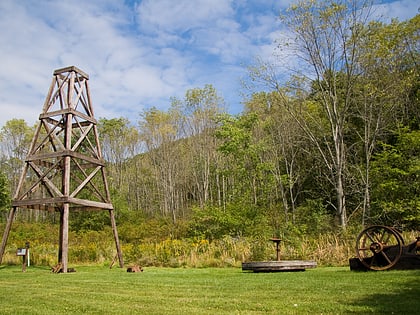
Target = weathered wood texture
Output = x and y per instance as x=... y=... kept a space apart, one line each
x=64 y=170
x=282 y=265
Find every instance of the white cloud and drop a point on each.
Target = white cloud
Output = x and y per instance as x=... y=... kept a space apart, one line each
x=182 y=15
x=35 y=42
x=402 y=9
x=138 y=53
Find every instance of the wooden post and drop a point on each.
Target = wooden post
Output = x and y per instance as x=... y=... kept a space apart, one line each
x=64 y=226
x=60 y=238
x=6 y=232
x=117 y=242
x=64 y=220
x=277 y=242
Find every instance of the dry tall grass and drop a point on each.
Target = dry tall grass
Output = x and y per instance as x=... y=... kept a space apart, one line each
x=98 y=248
x=326 y=250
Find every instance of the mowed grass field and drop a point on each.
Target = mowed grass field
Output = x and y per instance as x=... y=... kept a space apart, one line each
x=100 y=290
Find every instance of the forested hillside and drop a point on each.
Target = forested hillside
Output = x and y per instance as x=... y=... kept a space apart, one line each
x=332 y=146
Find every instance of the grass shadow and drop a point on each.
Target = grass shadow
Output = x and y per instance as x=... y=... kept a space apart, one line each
x=397 y=298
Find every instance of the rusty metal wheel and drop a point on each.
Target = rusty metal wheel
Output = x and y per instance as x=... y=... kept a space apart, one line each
x=379 y=247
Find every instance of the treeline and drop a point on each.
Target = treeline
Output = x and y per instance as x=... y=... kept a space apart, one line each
x=334 y=145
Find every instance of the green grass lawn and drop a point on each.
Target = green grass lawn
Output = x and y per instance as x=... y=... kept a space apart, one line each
x=100 y=290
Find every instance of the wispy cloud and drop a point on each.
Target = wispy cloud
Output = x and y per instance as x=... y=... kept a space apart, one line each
x=138 y=53
x=177 y=17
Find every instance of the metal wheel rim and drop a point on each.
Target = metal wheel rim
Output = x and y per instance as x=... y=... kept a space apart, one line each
x=379 y=247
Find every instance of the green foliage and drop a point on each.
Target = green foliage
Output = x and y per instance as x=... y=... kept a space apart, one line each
x=4 y=193
x=138 y=228
x=118 y=137
x=98 y=247
x=272 y=170
x=16 y=135
x=236 y=134
x=233 y=220
x=85 y=221
x=396 y=190
x=313 y=218
x=391 y=74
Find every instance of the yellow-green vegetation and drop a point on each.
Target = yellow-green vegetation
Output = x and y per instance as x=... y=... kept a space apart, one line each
x=330 y=144
x=100 y=290
x=98 y=247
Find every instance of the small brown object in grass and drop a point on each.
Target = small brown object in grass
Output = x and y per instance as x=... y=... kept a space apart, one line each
x=135 y=268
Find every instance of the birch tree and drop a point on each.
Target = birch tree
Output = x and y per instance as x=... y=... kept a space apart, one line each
x=160 y=130
x=120 y=141
x=387 y=88
x=326 y=38
x=202 y=107
x=285 y=150
x=15 y=137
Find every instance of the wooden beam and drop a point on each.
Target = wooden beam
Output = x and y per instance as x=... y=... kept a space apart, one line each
x=48 y=98
x=40 y=180
x=25 y=203
x=49 y=208
x=86 y=181
x=282 y=265
x=65 y=111
x=64 y=228
x=70 y=69
x=89 y=99
x=95 y=191
x=60 y=154
x=6 y=232
x=116 y=238
x=84 y=100
x=48 y=184
x=82 y=137
x=90 y=203
x=50 y=138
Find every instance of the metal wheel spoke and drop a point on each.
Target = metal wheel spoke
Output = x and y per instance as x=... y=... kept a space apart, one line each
x=379 y=247
x=370 y=237
x=364 y=248
x=386 y=257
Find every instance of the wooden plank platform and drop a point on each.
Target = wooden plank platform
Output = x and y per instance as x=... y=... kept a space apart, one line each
x=282 y=265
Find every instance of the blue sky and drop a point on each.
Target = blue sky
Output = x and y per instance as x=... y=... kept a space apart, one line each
x=138 y=54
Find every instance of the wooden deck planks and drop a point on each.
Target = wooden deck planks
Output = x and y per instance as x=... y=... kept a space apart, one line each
x=282 y=265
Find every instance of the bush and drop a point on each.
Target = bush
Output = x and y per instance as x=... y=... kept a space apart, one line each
x=98 y=247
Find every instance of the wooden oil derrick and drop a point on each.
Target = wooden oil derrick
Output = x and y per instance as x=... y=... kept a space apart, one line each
x=64 y=170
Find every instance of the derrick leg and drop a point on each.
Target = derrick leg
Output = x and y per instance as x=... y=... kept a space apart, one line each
x=6 y=232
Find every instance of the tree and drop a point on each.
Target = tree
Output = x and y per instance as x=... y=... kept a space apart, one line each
x=285 y=150
x=388 y=74
x=15 y=137
x=396 y=182
x=243 y=144
x=201 y=108
x=120 y=142
x=160 y=132
x=4 y=193
x=327 y=35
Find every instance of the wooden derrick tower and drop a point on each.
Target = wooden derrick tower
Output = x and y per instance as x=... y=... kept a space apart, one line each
x=64 y=170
